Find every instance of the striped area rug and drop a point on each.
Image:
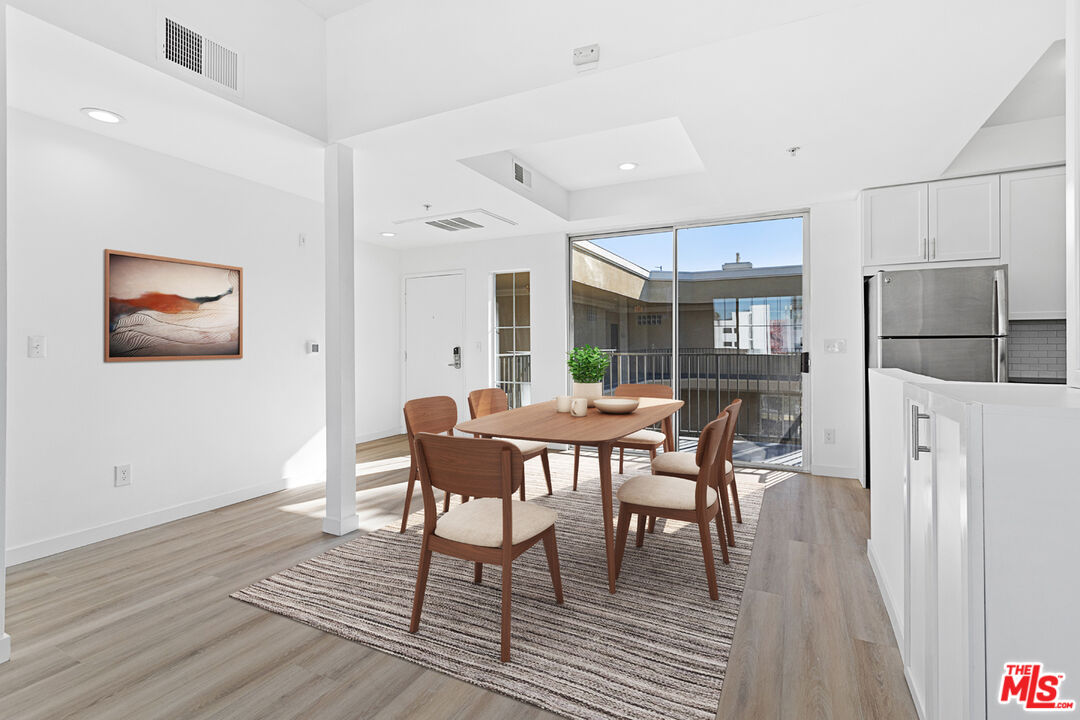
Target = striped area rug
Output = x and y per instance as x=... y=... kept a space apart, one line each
x=657 y=648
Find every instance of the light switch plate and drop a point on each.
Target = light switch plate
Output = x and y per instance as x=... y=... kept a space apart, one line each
x=835 y=345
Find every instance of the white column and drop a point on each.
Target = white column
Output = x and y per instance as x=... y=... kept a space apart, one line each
x=341 y=515
x=1072 y=192
x=5 y=640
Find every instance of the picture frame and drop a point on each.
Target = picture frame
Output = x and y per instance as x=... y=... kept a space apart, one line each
x=164 y=308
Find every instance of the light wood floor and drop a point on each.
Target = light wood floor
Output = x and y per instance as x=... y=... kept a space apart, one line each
x=142 y=626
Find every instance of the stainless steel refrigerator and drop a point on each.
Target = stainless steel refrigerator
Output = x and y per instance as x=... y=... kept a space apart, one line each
x=951 y=324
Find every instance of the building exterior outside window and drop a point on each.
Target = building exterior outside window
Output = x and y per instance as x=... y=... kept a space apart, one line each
x=513 y=342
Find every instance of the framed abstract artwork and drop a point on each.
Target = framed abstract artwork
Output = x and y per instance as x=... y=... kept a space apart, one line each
x=159 y=308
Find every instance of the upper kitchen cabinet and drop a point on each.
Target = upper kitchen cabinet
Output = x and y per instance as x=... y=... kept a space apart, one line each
x=1033 y=242
x=964 y=219
x=894 y=225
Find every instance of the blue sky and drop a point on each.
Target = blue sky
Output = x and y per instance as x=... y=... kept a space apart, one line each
x=766 y=243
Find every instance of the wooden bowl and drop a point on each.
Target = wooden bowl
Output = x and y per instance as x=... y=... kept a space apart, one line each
x=616 y=406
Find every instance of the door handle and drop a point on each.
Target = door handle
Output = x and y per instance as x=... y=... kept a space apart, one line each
x=917 y=448
x=457 y=359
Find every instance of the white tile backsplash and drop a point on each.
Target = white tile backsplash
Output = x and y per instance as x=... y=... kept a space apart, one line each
x=1037 y=350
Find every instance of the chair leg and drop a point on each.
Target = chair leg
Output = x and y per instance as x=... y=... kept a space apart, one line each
x=577 y=459
x=408 y=494
x=725 y=506
x=504 y=655
x=478 y=573
x=552 y=551
x=640 y=539
x=547 y=470
x=421 y=586
x=706 y=551
x=652 y=454
x=735 y=499
x=652 y=523
x=621 y=451
x=620 y=538
x=521 y=490
x=721 y=535
x=446 y=502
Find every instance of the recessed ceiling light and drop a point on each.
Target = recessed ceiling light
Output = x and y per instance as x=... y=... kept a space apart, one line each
x=388 y=234
x=105 y=116
x=627 y=166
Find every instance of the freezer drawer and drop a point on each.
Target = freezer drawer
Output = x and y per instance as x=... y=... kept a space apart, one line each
x=961 y=359
x=942 y=303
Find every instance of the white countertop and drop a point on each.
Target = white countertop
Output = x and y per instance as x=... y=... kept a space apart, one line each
x=1015 y=394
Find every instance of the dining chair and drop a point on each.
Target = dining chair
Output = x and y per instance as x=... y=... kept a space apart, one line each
x=428 y=415
x=493 y=400
x=687 y=464
x=493 y=528
x=646 y=440
x=675 y=499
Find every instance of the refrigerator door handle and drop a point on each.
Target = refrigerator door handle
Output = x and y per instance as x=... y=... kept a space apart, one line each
x=1001 y=359
x=1001 y=303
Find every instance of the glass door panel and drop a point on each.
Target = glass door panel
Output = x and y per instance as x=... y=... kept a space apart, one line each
x=740 y=335
x=621 y=298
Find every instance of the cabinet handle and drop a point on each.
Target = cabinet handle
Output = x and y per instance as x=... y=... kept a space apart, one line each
x=933 y=248
x=925 y=250
x=916 y=448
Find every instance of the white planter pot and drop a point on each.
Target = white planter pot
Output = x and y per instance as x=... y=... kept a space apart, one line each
x=589 y=391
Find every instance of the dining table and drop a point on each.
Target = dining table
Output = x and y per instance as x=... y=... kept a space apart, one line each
x=542 y=422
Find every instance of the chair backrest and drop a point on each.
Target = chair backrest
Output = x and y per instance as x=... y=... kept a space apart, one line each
x=710 y=449
x=475 y=467
x=430 y=415
x=487 y=402
x=729 y=432
x=649 y=390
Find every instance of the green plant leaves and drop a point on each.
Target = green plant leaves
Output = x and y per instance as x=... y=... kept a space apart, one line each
x=587 y=364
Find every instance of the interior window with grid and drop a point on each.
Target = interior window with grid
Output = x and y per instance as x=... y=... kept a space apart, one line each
x=513 y=356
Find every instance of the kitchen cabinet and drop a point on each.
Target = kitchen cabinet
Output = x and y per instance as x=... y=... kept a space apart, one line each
x=942 y=221
x=1033 y=242
x=894 y=225
x=964 y=219
x=975 y=522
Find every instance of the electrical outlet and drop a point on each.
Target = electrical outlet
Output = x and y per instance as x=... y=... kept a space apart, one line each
x=835 y=345
x=35 y=346
x=587 y=55
x=830 y=436
x=121 y=475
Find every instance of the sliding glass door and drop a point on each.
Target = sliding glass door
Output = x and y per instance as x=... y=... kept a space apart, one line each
x=714 y=310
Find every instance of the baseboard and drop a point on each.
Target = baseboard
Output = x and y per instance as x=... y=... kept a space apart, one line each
x=838 y=471
x=5 y=647
x=887 y=598
x=368 y=437
x=80 y=538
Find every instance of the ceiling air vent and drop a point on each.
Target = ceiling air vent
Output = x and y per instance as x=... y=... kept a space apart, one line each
x=202 y=56
x=454 y=224
x=522 y=174
x=458 y=221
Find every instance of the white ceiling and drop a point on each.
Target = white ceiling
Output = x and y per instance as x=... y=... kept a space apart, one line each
x=660 y=148
x=330 y=8
x=1041 y=94
x=54 y=73
x=844 y=85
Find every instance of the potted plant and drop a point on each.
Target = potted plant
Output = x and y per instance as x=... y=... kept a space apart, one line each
x=588 y=365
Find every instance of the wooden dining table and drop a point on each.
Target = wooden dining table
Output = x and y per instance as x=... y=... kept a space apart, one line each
x=543 y=423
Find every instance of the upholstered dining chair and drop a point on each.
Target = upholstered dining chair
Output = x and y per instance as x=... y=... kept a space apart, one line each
x=675 y=499
x=493 y=400
x=426 y=415
x=493 y=528
x=686 y=465
x=647 y=440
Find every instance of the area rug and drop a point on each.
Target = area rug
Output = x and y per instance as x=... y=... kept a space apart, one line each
x=657 y=648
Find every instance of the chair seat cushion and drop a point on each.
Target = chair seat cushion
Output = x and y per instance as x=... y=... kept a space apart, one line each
x=527 y=447
x=479 y=522
x=661 y=491
x=683 y=463
x=642 y=437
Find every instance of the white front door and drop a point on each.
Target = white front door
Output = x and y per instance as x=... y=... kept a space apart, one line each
x=435 y=338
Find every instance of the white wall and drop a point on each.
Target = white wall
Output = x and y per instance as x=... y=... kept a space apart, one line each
x=199 y=433
x=835 y=311
x=282 y=45
x=544 y=256
x=1015 y=145
x=378 y=344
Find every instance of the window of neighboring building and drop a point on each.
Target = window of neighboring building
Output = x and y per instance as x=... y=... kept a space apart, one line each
x=513 y=344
